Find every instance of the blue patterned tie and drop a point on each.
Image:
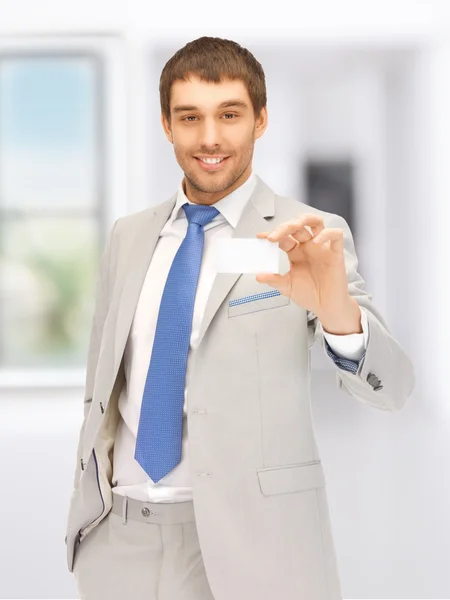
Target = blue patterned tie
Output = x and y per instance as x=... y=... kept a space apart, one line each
x=159 y=437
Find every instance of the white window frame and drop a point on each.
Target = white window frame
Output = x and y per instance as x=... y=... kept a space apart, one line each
x=111 y=50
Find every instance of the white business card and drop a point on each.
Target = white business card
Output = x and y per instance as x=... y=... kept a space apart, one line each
x=245 y=255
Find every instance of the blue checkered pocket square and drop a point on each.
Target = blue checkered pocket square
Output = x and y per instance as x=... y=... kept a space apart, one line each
x=256 y=302
x=253 y=297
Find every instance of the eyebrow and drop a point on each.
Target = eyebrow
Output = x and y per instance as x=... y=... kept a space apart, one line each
x=227 y=104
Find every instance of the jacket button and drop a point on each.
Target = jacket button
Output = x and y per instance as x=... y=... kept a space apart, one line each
x=373 y=379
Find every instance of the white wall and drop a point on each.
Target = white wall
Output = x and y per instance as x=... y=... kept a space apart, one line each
x=387 y=474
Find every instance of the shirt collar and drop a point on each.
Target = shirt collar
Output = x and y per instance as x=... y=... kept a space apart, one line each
x=230 y=206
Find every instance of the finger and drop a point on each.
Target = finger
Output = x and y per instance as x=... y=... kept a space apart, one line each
x=334 y=236
x=297 y=228
x=291 y=241
x=288 y=243
x=313 y=231
x=273 y=279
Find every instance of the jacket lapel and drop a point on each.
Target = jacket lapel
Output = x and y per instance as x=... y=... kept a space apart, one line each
x=140 y=256
x=260 y=205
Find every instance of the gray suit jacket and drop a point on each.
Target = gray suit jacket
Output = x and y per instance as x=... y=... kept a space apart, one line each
x=258 y=482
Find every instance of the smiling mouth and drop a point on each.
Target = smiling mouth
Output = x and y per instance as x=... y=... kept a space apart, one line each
x=211 y=166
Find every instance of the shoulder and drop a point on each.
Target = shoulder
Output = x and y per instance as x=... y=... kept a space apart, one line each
x=129 y=225
x=288 y=208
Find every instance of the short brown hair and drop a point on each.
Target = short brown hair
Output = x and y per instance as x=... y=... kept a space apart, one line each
x=214 y=59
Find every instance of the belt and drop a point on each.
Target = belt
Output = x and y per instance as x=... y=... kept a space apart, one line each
x=162 y=513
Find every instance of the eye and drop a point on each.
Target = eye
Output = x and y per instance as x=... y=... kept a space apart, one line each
x=193 y=117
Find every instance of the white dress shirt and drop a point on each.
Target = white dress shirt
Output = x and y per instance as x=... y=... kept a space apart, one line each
x=129 y=479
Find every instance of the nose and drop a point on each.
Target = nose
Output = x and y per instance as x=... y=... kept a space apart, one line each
x=209 y=135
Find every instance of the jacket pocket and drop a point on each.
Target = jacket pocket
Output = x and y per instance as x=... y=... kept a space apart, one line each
x=88 y=526
x=291 y=478
x=88 y=496
x=256 y=302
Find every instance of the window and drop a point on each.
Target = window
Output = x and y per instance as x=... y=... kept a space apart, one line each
x=54 y=214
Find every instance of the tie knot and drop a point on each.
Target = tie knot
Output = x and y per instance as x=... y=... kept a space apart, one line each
x=201 y=215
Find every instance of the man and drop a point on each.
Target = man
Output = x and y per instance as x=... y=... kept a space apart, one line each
x=198 y=474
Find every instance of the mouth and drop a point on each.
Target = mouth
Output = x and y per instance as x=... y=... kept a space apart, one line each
x=211 y=167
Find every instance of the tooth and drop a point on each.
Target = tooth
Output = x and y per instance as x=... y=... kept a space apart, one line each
x=211 y=161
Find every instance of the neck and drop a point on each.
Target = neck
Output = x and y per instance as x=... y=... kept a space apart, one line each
x=210 y=198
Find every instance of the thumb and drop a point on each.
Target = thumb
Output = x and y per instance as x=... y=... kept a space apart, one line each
x=273 y=279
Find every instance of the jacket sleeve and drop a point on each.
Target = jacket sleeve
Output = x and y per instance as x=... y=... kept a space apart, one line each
x=98 y=321
x=384 y=376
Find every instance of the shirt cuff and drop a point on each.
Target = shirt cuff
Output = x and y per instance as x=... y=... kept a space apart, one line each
x=352 y=345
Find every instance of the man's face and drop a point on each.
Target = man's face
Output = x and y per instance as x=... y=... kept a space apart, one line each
x=201 y=127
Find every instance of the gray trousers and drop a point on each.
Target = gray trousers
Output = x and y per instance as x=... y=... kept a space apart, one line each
x=142 y=551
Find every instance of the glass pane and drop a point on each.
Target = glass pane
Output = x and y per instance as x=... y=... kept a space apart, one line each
x=48 y=132
x=48 y=269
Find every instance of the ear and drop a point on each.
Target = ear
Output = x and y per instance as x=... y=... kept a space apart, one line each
x=166 y=126
x=261 y=122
